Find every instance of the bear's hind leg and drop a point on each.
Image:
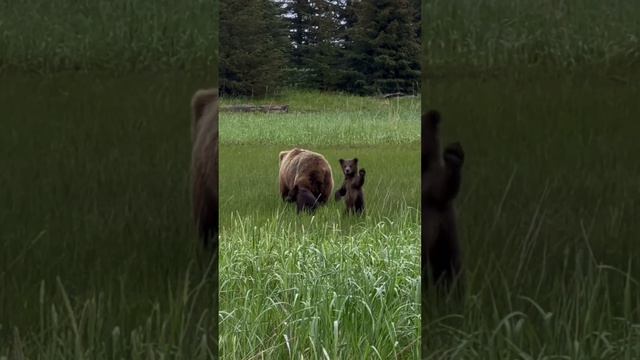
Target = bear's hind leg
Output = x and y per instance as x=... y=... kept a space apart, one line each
x=359 y=205
x=443 y=266
x=208 y=225
x=445 y=260
x=306 y=201
x=292 y=194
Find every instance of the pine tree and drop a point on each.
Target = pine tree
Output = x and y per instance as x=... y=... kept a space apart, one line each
x=383 y=49
x=314 y=33
x=299 y=14
x=253 y=47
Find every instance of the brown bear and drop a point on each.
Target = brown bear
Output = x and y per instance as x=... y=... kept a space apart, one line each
x=351 y=188
x=441 y=176
x=204 y=164
x=306 y=178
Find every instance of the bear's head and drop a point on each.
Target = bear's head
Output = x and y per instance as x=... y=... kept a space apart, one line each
x=349 y=167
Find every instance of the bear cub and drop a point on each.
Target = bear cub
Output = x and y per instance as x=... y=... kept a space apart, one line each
x=442 y=177
x=351 y=188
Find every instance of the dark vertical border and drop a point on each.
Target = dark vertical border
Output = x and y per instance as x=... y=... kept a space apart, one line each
x=216 y=284
x=423 y=108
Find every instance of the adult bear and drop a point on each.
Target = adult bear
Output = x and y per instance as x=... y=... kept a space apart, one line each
x=204 y=164
x=441 y=183
x=204 y=171
x=306 y=178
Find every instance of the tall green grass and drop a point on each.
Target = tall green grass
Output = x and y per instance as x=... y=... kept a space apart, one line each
x=500 y=35
x=119 y=36
x=98 y=257
x=328 y=285
x=548 y=215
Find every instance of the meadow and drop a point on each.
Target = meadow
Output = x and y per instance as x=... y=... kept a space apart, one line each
x=98 y=258
x=548 y=218
x=503 y=36
x=98 y=255
x=543 y=96
x=120 y=37
x=327 y=285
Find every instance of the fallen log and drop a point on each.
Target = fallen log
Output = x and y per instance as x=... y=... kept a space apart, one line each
x=395 y=95
x=256 y=108
x=391 y=95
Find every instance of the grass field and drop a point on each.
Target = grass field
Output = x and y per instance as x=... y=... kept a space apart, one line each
x=120 y=36
x=543 y=96
x=97 y=249
x=325 y=285
x=549 y=210
x=504 y=36
x=98 y=258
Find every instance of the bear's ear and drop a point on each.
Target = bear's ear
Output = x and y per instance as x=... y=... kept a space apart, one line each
x=341 y=161
x=200 y=100
x=355 y=160
x=283 y=154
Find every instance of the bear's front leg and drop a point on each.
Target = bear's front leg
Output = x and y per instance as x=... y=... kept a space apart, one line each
x=454 y=155
x=453 y=160
x=361 y=178
x=284 y=191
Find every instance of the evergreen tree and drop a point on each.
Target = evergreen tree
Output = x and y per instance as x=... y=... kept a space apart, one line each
x=416 y=9
x=299 y=13
x=383 y=49
x=314 y=31
x=299 y=16
x=325 y=55
x=349 y=78
x=253 y=46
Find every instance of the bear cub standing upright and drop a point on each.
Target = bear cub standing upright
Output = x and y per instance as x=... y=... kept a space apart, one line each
x=442 y=178
x=352 y=187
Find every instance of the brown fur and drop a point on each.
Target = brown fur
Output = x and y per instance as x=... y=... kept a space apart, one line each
x=351 y=188
x=204 y=134
x=305 y=177
x=441 y=183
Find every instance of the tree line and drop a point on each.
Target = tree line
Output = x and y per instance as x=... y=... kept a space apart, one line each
x=355 y=46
